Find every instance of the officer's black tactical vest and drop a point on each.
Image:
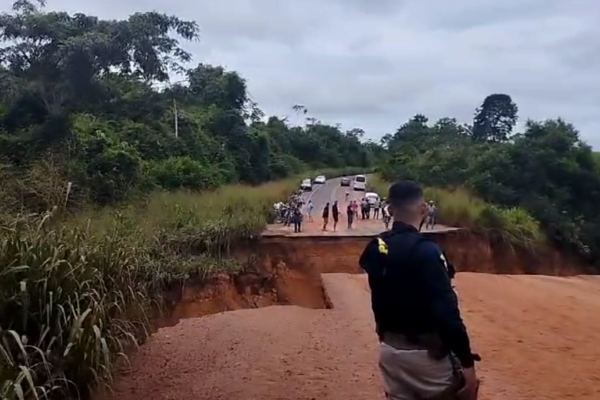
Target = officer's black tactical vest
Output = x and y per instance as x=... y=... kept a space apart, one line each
x=397 y=296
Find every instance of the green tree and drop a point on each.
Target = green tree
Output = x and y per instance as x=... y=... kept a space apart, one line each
x=546 y=170
x=495 y=118
x=86 y=89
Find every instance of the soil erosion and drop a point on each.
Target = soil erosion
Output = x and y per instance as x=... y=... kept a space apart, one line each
x=313 y=337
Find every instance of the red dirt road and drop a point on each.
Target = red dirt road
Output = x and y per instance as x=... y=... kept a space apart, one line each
x=538 y=337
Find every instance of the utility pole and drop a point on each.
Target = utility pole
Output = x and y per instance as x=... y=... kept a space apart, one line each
x=175 y=117
x=175 y=110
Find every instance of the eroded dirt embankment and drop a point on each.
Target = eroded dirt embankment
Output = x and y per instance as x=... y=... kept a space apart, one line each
x=287 y=270
x=523 y=326
x=468 y=251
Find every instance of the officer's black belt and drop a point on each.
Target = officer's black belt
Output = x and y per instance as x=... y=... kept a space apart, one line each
x=400 y=341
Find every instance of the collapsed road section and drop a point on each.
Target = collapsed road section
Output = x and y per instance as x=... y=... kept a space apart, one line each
x=310 y=333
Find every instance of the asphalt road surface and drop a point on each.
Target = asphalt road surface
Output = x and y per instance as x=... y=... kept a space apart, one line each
x=331 y=191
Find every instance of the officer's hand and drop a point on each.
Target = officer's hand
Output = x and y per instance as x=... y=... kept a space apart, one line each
x=471 y=387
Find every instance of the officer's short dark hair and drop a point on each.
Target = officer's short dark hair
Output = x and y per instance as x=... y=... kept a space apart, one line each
x=404 y=192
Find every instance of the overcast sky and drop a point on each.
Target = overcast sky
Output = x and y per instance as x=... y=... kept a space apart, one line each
x=375 y=63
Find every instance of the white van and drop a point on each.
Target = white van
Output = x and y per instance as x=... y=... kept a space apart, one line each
x=306 y=185
x=360 y=182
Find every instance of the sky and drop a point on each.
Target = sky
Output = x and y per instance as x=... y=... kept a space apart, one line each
x=374 y=64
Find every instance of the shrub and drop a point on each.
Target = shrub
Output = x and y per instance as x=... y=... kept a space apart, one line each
x=461 y=209
x=183 y=172
x=69 y=307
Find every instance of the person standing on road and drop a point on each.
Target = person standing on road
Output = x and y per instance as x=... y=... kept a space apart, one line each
x=325 y=216
x=297 y=217
x=376 y=209
x=335 y=213
x=309 y=209
x=425 y=351
x=363 y=208
x=350 y=215
x=355 y=208
x=385 y=213
x=431 y=215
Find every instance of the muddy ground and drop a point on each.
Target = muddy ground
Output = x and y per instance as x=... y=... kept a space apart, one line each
x=538 y=337
x=310 y=333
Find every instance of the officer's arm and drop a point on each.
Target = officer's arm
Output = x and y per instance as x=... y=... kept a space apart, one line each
x=369 y=259
x=444 y=302
x=370 y=262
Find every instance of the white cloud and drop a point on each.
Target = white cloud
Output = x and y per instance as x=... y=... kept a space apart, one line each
x=374 y=64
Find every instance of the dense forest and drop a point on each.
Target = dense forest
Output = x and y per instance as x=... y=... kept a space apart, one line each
x=88 y=101
x=90 y=118
x=546 y=169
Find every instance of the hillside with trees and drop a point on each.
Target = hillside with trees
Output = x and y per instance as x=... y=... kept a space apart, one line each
x=88 y=101
x=546 y=170
x=91 y=124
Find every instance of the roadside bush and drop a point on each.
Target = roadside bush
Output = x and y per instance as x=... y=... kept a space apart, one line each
x=460 y=208
x=183 y=172
x=69 y=307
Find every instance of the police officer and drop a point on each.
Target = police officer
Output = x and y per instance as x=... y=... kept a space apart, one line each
x=425 y=351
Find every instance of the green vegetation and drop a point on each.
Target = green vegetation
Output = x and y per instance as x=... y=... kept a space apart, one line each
x=81 y=96
x=141 y=197
x=544 y=174
x=458 y=207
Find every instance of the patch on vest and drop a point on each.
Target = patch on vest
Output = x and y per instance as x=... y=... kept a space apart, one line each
x=382 y=246
x=444 y=261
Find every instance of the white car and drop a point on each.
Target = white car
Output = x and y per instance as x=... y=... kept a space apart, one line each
x=306 y=185
x=372 y=197
x=360 y=182
x=320 y=179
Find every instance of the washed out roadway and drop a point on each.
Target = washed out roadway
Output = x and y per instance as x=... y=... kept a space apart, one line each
x=539 y=338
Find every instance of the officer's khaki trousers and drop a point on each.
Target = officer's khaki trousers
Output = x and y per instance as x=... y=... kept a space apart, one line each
x=412 y=375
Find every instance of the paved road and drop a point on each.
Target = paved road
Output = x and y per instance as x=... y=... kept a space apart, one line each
x=330 y=192
x=327 y=192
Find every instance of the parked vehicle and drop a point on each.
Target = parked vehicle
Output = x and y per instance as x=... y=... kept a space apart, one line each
x=320 y=179
x=306 y=185
x=360 y=182
x=372 y=197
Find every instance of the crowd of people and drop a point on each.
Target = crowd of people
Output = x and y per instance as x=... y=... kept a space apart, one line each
x=368 y=210
x=292 y=212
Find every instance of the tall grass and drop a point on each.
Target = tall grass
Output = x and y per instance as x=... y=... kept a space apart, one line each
x=76 y=292
x=460 y=208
